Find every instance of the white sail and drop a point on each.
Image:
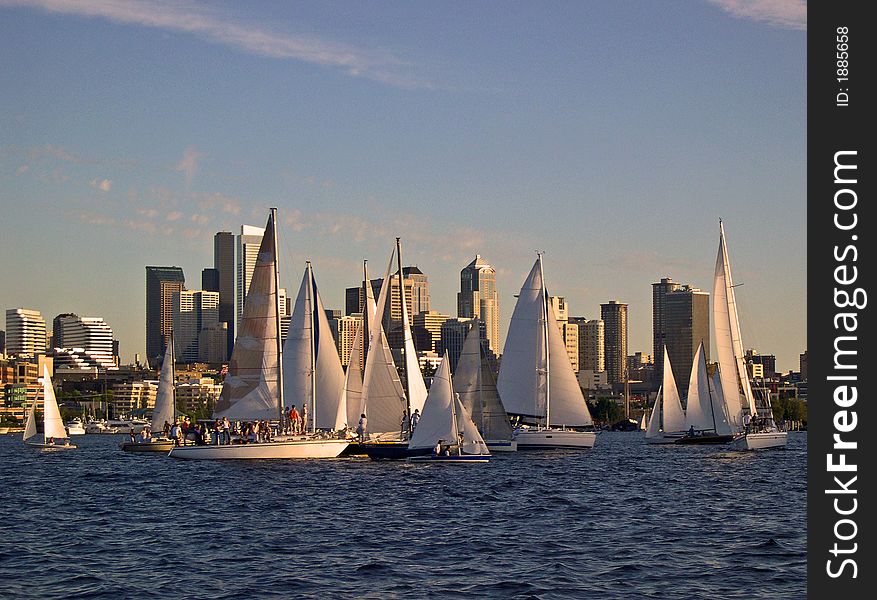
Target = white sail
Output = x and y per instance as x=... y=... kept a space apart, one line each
x=382 y=396
x=351 y=400
x=437 y=421
x=729 y=346
x=416 y=385
x=473 y=443
x=53 y=426
x=164 y=400
x=30 y=427
x=250 y=390
x=698 y=412
x=672 y=417
x=475 y=384
x=724 y=426
x=654 y=428
x=568 y=406
x=309 y=351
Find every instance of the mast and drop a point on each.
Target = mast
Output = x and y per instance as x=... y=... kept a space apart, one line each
x=277 y=319
x=404 y=358
x=365 y=323
x=545 y=343
x=173 y=375
x=309 y=302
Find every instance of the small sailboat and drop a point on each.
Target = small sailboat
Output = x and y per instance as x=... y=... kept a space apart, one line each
x=165 y=410
x=476 y=387
x=706 y=416
x=253 y=388
x=536 y=380
x=668 y=419
x=75 y=426
x=446 y=432
x=762 y=430
x=54 y=434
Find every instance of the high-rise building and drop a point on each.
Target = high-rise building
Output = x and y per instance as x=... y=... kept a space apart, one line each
x=416 y=287
x=58 y=331
x=802 y=364
x=614 y=315
x=194 y=310
x=344 y=331
x=478 y=298
x=453 y=336
x=591 y=344
x=161 y=285
x=90 y=334
x=569 y=331
x=249 y=241
x=768 y=362
x=210 y=280
x=659 y=320
x=2 y=343
x=686 y=325
x=25 y=332
x=426 y=328
x=223 y=263
x=212 y=347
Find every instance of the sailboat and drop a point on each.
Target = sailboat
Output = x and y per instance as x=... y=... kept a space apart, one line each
x=385 y=403
x=476 y=387
x=53 y=426
x=762 y=432
x=668 y=419
x=536 y=380
x=706 y=415
x=446 y=432
x=165 y=410
x=253 y=388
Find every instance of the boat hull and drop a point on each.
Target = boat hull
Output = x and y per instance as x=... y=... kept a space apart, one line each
x=386 y=450
x=761 y=441
x=549 y=439
x=453 y=459
x=154 y=446
x=665 y=438
x=705 y=439
x=52 y=446
x=291 y=449
x=502 y=445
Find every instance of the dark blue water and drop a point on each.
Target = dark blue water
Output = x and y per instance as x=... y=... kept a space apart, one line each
x=624 y=520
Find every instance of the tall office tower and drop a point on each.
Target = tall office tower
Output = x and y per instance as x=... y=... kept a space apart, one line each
x=659 y=323
x=802 y=363
x=223 y=262
x=25 y=332
x=212 y=343
x=416 y=296
x=91 y=334
x=453 y=335
x=419 y=289
x=478 y=298
x=687 y=324
x=161 y=285
x=591 y=344
x=210 y=280
x=248 y=250
x=194 y=310
x=58 y=331
x=344 y=332
x=2 y=343
x=426 y=327
x=614 y=315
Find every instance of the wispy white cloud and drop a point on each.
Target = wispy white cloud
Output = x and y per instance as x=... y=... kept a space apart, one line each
x=188 y=165
x=103 y=185
x=174 y=216
x=215 y=26
x=200 y=219
x=790 y=14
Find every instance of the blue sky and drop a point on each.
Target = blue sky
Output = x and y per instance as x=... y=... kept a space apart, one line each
x=611 y=135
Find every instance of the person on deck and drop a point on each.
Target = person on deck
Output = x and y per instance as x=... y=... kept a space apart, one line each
x=415 y=419
x=304 y=417
x=746 y=421
x=294 y=420
x=691 y=431
x=404 y=424
x=361 y=428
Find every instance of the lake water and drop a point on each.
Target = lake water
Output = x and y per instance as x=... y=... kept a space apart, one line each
x=624 y=520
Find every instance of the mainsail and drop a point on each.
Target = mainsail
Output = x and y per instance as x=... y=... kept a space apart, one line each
x=309 y=353
x=437 y=422
x=53 y=426
x=416 y=385
x=164 y=411
x=476 y=387
x=536 y=379
x=672 y=415
x=654 y=428
x=30 y=427
x=729 y=346
x=250 y=390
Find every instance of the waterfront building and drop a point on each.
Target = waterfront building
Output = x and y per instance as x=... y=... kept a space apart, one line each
x=591 y=349
x=25 y=332
x=223 y=264
x=194 y=310
x=614 y=315
x=91 y=336
x=161 y=285
x=198 y=394
x=686 y=326
x=133 y=395
x=569 y=331
x=478 y=298
x=248 y=244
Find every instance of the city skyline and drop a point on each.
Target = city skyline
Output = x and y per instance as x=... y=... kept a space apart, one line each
x=587 y=132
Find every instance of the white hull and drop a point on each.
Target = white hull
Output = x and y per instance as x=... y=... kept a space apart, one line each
x=75 y=429
x=545 y=439
x=265 y=450
x=760 y=441
x=665 y=438
x=502 y=445
x=52 y=446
